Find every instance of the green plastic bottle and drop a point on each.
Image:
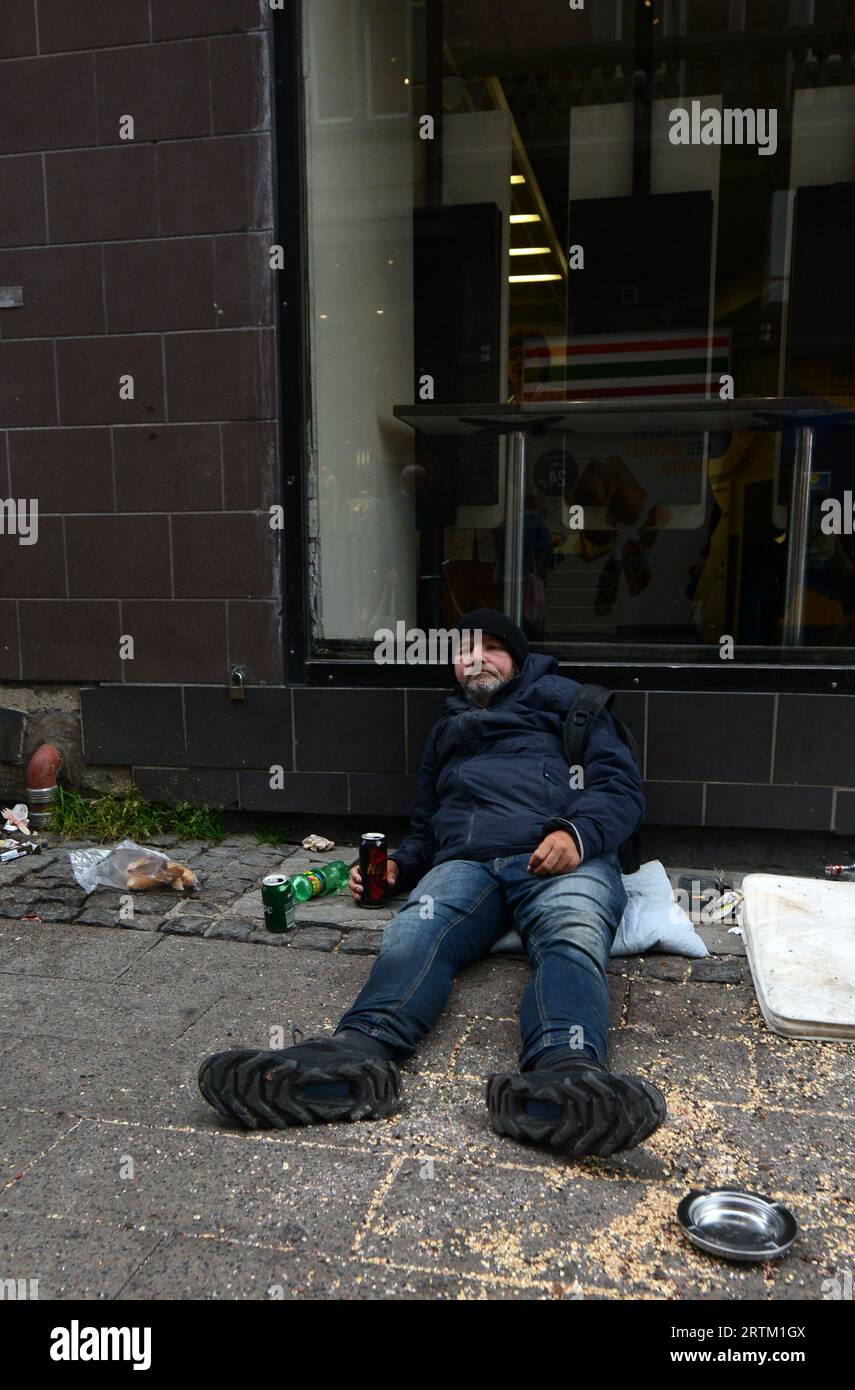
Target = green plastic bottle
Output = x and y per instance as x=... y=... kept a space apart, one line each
x=318 y=882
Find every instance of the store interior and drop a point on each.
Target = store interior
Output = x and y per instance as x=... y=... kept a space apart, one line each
x=499 y=215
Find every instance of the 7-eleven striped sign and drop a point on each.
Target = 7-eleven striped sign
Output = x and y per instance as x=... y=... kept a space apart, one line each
x=624 y=364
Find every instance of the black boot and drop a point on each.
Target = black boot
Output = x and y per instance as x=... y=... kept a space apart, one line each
x=319 y=1080
x=576 y=1105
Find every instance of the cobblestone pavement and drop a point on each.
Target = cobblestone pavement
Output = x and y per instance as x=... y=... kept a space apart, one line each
x=119 y=1182
x=228 y=906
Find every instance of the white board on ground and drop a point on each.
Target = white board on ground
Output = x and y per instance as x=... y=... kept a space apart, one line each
x=800 y=938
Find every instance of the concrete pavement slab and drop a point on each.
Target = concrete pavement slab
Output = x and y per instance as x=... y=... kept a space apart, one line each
x=71 y=1259
x=488 y=1044
x=428 y=1203
x=217 y=1184
x=264 y=1020
x=67 y=952
x=217 y=1269
x=269 y=989
x=24 y=1137
x=521 y=1224
x=605 y=1237
x=645 y=1252
x=201 y=961
x=765 y=1150
x=712 y=1068
x=492 y=986
x=806 y=1074
x=141 y=1083
x=64 y=1008
x=674 y=1010
x=437 y=1053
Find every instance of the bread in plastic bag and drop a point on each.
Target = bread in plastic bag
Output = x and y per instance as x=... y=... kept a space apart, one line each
x=129 y=866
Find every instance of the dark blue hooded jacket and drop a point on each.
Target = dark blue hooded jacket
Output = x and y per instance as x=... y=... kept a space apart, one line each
x=495 y=781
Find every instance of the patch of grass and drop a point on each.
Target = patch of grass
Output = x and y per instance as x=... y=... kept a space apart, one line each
x=269 y=837
x=112 y=817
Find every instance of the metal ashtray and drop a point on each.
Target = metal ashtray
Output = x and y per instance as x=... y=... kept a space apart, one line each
x=737 y=1225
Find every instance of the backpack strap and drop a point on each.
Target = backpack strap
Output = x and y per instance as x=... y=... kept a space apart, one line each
x=588 y=702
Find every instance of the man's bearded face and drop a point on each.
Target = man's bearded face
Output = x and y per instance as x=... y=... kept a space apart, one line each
x=496 y=668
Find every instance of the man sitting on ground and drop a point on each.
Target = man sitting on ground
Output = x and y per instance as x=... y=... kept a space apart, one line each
x=502 y=834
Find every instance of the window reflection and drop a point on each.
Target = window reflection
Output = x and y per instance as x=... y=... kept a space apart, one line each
x=547 y=242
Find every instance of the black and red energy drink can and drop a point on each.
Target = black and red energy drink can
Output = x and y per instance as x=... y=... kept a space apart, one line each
x=372 y=869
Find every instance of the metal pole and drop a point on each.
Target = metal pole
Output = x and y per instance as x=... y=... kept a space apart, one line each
x=798 y=524
x=514 y=523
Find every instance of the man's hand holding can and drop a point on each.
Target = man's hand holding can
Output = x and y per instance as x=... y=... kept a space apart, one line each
x=355 y=884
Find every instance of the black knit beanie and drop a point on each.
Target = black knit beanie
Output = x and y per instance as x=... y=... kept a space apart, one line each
x=497 y=625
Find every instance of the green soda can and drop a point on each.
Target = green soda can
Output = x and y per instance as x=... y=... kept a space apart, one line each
x=278 y=898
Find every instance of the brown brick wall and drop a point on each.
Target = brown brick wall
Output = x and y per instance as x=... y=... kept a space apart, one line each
x=151 y=258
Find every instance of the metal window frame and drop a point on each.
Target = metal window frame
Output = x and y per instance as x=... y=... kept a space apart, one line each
x=640 y=667
x=292 y=327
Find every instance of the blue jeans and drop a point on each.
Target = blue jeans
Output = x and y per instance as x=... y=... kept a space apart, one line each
x=567 y=923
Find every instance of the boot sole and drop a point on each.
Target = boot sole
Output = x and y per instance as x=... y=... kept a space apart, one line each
x=263 y=1090
x=601 y=1113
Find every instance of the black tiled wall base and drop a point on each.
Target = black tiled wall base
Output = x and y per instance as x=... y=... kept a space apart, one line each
x=710 y=759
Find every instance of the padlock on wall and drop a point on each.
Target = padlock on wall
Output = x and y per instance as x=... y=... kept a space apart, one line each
x=237 y=689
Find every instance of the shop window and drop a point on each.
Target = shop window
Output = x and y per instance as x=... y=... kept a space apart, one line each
x=500 y=215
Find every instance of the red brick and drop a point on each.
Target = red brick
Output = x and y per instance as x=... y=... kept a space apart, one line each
x=66 y=641
x=69 y=24
x=22 y=201
x=48 y=104
x=246 y=285
x=255 y=641
x=119 y=556
x=62 y=291
x=164 y=87
x=250 y=465
x=221 y=185
x=168 y=468
x=89 y=370
x=34 y=571
x=240 y=96
x=179 y=285
x=102 y=195
x=171 y=20
x=17 y=28
x=176 y=641
x=228 y=556
x=68 y=470
x=27 y=388
x=220 y=376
